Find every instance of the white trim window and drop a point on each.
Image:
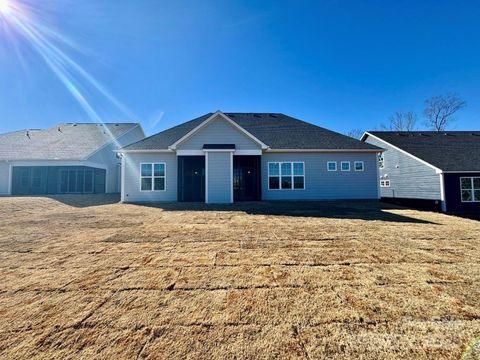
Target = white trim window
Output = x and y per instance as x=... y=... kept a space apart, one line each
x=359 y=165
x=381 y=161
x=384 y=183
x=286 y=176
x=470 y=189
x=153 y=176
x=331 y=166
x=345 y=166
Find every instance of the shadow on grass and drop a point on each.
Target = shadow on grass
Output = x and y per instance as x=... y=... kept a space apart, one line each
x=83 y=200
x=361 y=210
x=467 y=215
x=342 y=209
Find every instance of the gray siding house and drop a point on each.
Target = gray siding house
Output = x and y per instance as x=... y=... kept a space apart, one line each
x=67 y=158
x=228 y=157
x=439 y=170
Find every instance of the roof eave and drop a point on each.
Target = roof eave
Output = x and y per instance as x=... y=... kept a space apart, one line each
x=139 y=151
x=327 y=150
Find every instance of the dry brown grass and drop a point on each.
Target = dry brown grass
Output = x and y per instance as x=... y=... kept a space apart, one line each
x=306 y=280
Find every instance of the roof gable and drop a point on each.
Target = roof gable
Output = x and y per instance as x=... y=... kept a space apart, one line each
x=218 y=128
x=447 y=151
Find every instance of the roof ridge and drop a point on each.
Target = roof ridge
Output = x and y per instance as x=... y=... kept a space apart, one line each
x=423 y=131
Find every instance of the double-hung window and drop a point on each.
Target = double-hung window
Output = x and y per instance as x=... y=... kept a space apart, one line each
x=470 y=189
x=286 y=175
x=152 y=176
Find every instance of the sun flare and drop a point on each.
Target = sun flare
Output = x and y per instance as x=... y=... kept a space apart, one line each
x=5 y=7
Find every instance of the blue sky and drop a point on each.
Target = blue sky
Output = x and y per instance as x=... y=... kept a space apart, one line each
x=338 y=64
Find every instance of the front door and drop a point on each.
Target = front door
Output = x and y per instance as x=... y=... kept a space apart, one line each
x=191 y=178
x=246 y=178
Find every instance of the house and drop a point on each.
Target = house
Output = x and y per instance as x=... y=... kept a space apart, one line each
x=228 y=157
x=67 y=158
x=440 y=170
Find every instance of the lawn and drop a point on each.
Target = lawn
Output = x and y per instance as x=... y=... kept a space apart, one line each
x=87 y=277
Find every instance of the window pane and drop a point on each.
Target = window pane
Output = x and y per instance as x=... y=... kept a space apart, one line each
x=146 y=169
x=63 y=181
x=274 y=182
x=80 y=180
x=476 y=183
x=477 y=195
x=345 y=166
x=159 y=170
x=72 y=177
x=298 y=182
x=332 y=166
x=88 y=181
x=359 y=166
x=286 y=182
x=466 y=195
x=274 y=168
x=25 y=177
x=286 y=168
x=159 y=184
x=466 y=183
x=36 y=177
x=36 y=181
x=297 y=168
x=146 y=183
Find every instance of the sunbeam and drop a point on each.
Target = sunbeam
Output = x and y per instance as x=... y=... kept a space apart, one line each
x=5 y=7
x=21 y=19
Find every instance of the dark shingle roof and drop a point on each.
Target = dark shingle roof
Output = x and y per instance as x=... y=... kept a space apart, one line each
x=278 y=131
x=61 y=142
x=448 y=151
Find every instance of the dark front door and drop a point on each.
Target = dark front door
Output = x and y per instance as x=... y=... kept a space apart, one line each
x=246 y=178
x=191 y=178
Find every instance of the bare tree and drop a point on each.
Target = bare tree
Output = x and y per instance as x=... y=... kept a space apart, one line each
x=439 y=110
x=355 y=133
x=401 y=121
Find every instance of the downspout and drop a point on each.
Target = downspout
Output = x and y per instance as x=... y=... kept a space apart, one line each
x=122 y=179
x=10 y=178
x=442 y=192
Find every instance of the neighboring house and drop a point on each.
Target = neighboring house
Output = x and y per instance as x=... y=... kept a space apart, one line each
x=435 y=169
x=227 y=157
x=67 y=158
